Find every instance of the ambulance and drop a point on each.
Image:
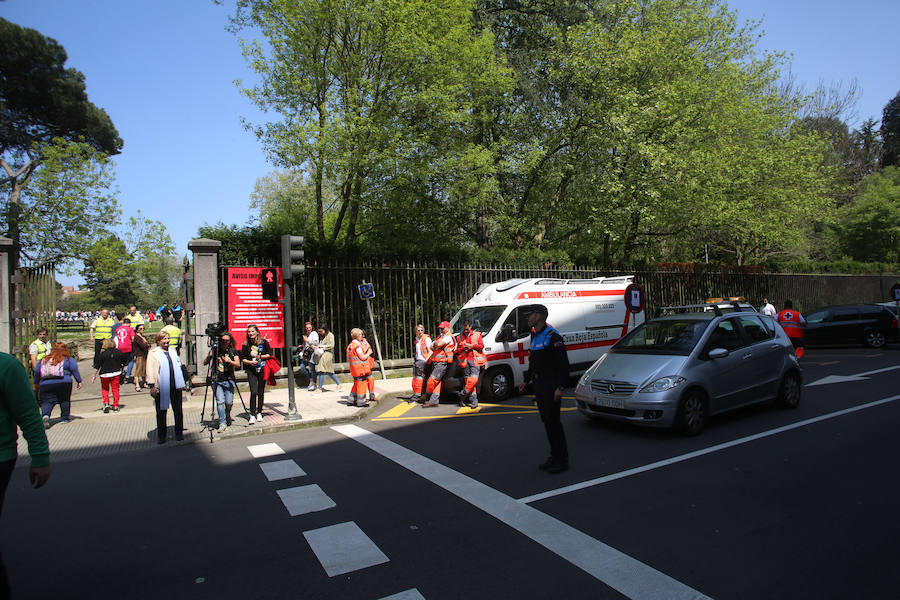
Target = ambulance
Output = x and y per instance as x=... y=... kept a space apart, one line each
x=590 y=314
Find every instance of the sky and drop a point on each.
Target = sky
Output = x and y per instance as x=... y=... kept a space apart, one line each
x=165 y=72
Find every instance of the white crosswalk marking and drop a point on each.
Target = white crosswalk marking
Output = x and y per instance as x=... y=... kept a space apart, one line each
x=616 y=569
x=412 y=594
x=281 y=469
x=264 y=450
x=305 y=499
x=344 y=548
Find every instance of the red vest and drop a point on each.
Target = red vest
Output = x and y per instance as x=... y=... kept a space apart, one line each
x=790 y=321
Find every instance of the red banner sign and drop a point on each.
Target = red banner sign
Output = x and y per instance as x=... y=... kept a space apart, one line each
x=246 y=306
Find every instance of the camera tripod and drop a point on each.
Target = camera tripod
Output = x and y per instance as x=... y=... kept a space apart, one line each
x=209 y=424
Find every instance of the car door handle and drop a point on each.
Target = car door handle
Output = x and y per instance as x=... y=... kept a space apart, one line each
x=748 y=355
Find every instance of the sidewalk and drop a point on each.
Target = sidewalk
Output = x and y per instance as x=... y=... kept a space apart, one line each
x=94 y=433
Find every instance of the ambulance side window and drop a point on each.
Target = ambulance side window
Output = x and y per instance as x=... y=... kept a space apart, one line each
x=518 y=323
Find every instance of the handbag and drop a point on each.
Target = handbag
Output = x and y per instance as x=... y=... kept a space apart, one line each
x=307 y=353
x=317 y=355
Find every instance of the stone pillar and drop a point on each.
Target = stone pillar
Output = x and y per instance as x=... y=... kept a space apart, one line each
x=206 y=293
x=6 y=321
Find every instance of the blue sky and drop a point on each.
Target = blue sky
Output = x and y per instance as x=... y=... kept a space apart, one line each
x=164 y=72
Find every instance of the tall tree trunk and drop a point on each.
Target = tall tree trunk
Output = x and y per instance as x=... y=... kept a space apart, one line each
x=350 y=240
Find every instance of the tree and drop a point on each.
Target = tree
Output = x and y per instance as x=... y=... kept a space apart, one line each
x=366 y=91
x=41 y=100
x=890 y=133
x=108 y=274
x=869 y=229
x=69 y=203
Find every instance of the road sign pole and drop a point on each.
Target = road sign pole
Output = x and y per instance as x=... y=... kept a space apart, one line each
x=375 y=335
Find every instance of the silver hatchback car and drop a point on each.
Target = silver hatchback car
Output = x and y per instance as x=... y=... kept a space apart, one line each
x=679 y=369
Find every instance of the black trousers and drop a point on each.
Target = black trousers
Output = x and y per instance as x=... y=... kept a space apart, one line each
x=98 y=348
x=6 y=471
x=257 y=390
x=175 y=403
x=549 y=409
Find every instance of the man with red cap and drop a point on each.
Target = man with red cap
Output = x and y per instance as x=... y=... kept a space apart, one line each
x=442 y=357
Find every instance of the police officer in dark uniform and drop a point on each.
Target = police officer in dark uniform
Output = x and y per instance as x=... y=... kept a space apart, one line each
x=548 y=370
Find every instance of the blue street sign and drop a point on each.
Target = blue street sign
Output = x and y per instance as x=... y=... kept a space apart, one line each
x=367 y=291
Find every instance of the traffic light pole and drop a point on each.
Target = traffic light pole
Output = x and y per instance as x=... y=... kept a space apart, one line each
x=289 y=268
x=293 y=414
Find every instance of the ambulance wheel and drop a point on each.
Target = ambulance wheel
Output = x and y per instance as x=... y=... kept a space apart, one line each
x=498 y=382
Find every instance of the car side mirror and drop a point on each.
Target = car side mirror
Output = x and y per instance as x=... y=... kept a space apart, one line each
x=507 y=334
x=718 y=353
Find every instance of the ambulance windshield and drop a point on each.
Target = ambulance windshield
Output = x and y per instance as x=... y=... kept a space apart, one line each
x=482 y=318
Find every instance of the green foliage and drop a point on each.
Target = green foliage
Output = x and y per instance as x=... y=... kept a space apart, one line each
x=107 y=273
x=40 y=99
x=869 y=229
x=70 y=202
x=622 y=132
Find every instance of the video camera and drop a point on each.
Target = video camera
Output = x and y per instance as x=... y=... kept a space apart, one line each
x=214 y=331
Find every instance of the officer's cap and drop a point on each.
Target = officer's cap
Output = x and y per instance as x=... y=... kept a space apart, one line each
x=534 y=308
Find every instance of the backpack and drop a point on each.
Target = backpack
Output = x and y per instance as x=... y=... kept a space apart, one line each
x=49 y=371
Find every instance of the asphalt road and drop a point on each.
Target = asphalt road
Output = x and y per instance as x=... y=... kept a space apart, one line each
x=766 y=503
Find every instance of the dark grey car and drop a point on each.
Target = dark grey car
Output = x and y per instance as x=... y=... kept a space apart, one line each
x=680 y=369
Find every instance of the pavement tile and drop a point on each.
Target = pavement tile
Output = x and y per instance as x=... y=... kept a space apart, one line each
x=93 y=433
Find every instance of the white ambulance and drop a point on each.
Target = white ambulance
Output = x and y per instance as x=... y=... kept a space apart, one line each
x=590 y=314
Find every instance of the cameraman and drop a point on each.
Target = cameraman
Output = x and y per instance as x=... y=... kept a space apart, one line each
x=307 y=366
x=223 y=375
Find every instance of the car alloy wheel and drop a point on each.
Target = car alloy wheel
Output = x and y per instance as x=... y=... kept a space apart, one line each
x=875 y=339
x=789 y=390
x=499 y=384
x=692 y=413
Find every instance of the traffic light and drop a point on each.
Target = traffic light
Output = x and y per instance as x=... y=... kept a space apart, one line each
x=270 y=284
x=291 y=251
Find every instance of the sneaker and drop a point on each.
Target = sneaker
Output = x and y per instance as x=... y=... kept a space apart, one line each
x=311 y=388
x=106 y=408
x=222 y=427
x=372 y=398
x=65 y=420
x=115 y=409
x=179 y=437
x=259 y=418
x=46 y=421
x=320 y=391
x=546 y=464
x=252 y=419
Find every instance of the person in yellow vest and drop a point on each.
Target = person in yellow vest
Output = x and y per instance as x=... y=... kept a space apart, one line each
x=176 y=338
x=359 y=368
x=101 y=329
x=443 y=355
x=174 y=333
x=39 y=347
x=370 y=380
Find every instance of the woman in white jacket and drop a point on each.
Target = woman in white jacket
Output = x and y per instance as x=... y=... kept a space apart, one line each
x=166 y=384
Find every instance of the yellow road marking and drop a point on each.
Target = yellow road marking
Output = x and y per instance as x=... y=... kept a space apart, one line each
x=465 y=412
x=397 y=411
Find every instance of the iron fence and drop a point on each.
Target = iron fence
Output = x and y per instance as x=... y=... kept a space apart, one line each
x=411 y=293
x=37 y=299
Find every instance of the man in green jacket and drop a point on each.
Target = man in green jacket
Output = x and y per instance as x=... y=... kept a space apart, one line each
x=18 y=407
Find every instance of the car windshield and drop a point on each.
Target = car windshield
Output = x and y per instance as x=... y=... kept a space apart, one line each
x=482 y=318
x=665 y=336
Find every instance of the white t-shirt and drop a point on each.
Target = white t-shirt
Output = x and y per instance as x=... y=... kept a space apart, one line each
x=313 y=338
x=769 y=310
x=419 y=355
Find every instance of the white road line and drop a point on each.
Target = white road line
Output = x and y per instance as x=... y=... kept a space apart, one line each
x=263 y=450
x=344 y=548
x=670 y=461
x=876 y=371
x=305 y=499
x=614 y=568
x=412 y=594
x=281 y=469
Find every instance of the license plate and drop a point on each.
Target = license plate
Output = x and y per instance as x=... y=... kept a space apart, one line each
x=609 y=402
